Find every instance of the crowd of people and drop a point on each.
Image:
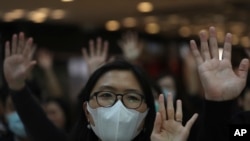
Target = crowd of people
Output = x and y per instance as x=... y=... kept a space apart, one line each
x=120 y=102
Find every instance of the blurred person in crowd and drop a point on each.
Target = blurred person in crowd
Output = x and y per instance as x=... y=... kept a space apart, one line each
x=131 y=47
x=58 y=111
x=97 y=55
x=45 y=62
x=116 y=93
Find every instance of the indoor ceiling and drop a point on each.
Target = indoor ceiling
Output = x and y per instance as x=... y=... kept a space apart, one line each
x=171 y=16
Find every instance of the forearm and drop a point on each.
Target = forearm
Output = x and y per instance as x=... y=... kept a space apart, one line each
x=39 y=127
x=214 y=122
x=52 y=83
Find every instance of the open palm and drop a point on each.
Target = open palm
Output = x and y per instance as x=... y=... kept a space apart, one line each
x=218 y=79
x=17 y=63
x=97 y=55
x=168 y=123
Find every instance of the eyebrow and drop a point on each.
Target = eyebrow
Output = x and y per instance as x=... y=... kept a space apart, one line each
x=106 y=87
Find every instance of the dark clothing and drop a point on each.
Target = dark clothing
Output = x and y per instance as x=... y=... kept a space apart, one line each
x=212 y=125
x=39 y=127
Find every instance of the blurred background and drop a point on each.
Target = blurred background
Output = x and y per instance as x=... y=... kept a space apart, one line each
x=64 y=27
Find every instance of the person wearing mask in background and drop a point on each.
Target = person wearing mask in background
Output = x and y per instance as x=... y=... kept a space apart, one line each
x=117 y=88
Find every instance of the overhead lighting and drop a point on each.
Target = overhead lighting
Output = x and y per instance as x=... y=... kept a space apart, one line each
x=245 y=41
x=112 y=25
x=145 y=7
x=235 y=39
x=67 y=0
x=14 y=15
x=57 y=14
x=185 y=31
x=37 y=17
x=152 y=28
x=129 y=22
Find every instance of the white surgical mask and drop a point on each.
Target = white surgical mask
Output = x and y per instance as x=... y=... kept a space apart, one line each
x=116 y=123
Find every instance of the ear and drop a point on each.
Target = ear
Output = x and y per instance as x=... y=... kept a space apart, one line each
x=86 y=112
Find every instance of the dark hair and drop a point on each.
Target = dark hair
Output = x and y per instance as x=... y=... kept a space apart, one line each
x=81 y=132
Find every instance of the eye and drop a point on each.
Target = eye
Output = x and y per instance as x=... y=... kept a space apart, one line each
x=105 y=95
x=133 y=97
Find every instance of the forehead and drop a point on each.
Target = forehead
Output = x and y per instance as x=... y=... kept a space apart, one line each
x=119 y=80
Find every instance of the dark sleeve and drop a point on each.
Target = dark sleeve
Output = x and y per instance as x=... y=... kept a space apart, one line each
x=214 y=121
x=38 y=126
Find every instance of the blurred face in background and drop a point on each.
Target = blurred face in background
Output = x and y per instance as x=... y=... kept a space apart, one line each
x=55 y=114
x=167 y=84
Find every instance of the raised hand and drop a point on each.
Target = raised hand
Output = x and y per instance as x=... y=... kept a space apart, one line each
x=18 y=61
x=168 y=123
x=218 y=79
x=131 y=46
x=97 y=56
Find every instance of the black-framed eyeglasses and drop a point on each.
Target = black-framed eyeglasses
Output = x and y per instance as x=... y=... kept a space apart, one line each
x=130 y=100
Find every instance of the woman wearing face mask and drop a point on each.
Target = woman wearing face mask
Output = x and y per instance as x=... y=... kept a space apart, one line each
x=118 y=104
x=14 y=122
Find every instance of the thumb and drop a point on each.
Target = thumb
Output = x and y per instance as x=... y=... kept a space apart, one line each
x=243 y=68
x=191 y=122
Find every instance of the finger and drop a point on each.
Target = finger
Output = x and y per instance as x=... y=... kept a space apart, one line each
x=227 y=47
x=91 y=48
x=190 y=122
x=243 y=69
x=204 y=46
x=14 y=44
x=178 y=114
x=213 y=43
x=162 y=109
x=7 y=49
x=157 y=124
x=30 y=66
x=27 y=49
x=105 y=49
x=21 y=42
x=85 y=54
x=98 y=46
x=32 y=52
x=196 y=52
x=170 y=106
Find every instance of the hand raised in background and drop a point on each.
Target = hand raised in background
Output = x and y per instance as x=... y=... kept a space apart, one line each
x=168 y=122
x=218 y=79
x=131 y=46
x=18 y=61
x=97 y=55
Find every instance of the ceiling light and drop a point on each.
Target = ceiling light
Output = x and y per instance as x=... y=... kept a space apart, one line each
x=37 y=17
x=112 y=25
x=57 y=14
x=235 y=39
x=152 y=28
x=145 y=7
x=185 y=31
x=67 y=0
x=245 y=41
x=129 y=22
